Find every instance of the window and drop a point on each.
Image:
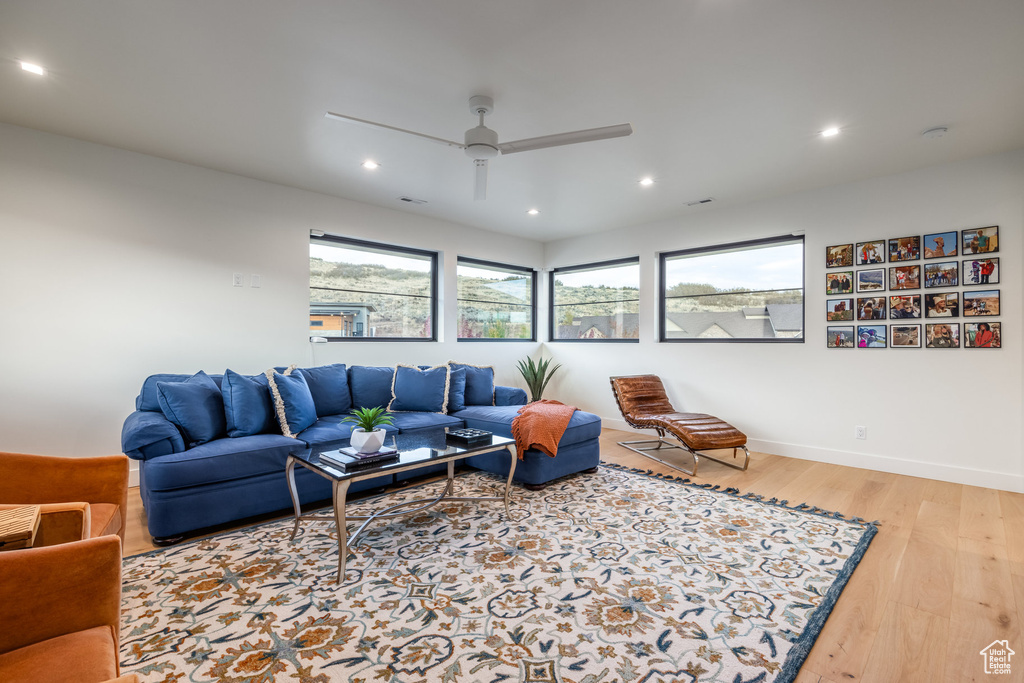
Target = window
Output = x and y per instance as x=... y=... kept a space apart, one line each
x=596 y=302
x=749 y=291
x=496 y=302
x=362 y=290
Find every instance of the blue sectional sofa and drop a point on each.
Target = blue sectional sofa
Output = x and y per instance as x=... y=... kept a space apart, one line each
x=212 y=448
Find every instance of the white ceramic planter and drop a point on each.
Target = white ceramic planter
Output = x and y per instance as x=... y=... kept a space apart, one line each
x=367 y=442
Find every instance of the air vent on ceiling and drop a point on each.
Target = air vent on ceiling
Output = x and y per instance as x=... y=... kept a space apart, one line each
x=706 y=200
x=410 y=200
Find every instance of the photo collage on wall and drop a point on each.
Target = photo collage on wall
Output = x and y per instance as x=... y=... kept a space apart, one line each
x=881 y=290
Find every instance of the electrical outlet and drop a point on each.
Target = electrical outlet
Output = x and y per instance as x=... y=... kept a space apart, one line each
x=255 y=280
x=237 y=279
x=860 y=432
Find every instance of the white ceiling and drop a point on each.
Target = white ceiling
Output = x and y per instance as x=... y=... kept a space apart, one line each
x=725 y=96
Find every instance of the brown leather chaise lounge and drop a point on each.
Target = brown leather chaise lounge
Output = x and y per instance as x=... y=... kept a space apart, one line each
x=645 y=405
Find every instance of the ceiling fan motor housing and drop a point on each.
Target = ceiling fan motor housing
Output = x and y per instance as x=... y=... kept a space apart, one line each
x=481 y=143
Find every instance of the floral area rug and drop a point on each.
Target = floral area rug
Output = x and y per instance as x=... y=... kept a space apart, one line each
x=616 y=576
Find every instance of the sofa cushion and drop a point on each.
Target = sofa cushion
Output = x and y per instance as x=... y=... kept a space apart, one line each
x=221 y=460
x=195 y=405
x=332 y=428
x=248 y=407
x=408 y=422
x=479 y=384
x=371 y=386
x=293 y=404
x=419 y=390
x=89 y=655
x=329 y=386
x=498 y=419
x=456 y=389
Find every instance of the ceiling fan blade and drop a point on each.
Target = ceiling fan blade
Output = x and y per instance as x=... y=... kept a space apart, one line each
x=572 y=138
x=480 y=191
x=374 y=124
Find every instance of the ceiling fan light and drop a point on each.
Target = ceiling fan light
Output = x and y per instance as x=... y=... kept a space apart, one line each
x=370 y=165
x=829 y=132
x=533 y=212
x=647 y=182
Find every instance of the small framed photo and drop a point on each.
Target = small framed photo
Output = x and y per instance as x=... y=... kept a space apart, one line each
x=839 y=309
x=871 y=308
x=981 y=302
x=979 y=241
x=871 y=337
x=981 y=271
x=905 y=249
x=840 y=282
x=940 y=244
x=905 y=336
x=870 y=252
x=982 y=335
x=944 y=305
x=905 y=306
x=871 y=280
x=942 y=336
x=839 y=256
x=839 y=337
x=942 y=274
x=904 y=277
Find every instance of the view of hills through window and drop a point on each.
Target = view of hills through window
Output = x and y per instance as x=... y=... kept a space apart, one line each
x=599 y=302
x=744 y=292
x=361 y=291
x=494 y=302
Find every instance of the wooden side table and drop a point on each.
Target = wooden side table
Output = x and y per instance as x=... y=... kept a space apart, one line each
x=18 y=527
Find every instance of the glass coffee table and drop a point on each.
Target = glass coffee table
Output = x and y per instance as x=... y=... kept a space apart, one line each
x=414 y=451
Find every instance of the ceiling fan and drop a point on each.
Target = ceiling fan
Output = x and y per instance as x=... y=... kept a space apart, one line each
x=482 y=143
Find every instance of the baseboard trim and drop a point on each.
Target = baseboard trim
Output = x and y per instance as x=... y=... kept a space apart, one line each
x=1003 y=481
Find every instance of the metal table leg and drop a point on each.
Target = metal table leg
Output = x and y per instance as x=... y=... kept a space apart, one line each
x=289 y=471
x=339 y=491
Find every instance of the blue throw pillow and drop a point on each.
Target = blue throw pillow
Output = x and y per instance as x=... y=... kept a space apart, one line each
x=248 y=407
x=195 y=405
x=456 y=389
x=479 y=384
x=371 y=386
x=292 y=401
x=329 y=386
x=416 y=390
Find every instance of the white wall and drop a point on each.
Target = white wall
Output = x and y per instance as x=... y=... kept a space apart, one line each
x=118 y=265
x=950 y=415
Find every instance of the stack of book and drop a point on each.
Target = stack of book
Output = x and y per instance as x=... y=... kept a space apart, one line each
x=351 y=460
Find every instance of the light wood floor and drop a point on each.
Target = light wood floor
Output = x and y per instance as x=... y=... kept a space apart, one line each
x=943 y=578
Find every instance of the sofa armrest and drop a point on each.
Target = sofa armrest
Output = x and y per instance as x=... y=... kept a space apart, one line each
x=146 y=435
x=509 y=396
x=61 y=589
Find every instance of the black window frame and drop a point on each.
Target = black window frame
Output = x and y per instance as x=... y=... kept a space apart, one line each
x=732 y=246
x=502 y=266
x=552 y=336
x=382 y=246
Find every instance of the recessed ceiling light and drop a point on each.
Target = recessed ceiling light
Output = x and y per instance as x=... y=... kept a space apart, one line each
x=646 y=182
x=533 y=212
x=33 y=68
x=370 y=164
x=829 y=132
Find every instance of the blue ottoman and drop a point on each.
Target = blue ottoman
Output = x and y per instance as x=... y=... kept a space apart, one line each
x=579 y=448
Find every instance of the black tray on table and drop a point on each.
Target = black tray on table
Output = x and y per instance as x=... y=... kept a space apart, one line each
x=469 y=437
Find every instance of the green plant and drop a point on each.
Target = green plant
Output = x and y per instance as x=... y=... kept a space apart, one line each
x=368 y=419
x=537 y=375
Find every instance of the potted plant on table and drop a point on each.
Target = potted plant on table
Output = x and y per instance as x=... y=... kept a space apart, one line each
x=537 y=375
x=367 y=437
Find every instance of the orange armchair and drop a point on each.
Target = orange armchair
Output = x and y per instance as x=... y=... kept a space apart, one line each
x=61 y=486
x=60 y=609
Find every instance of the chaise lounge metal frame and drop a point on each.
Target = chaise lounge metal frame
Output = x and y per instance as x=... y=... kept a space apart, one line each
x=645 y=405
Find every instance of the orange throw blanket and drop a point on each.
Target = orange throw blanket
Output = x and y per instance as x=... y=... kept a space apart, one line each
x=541 y=425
